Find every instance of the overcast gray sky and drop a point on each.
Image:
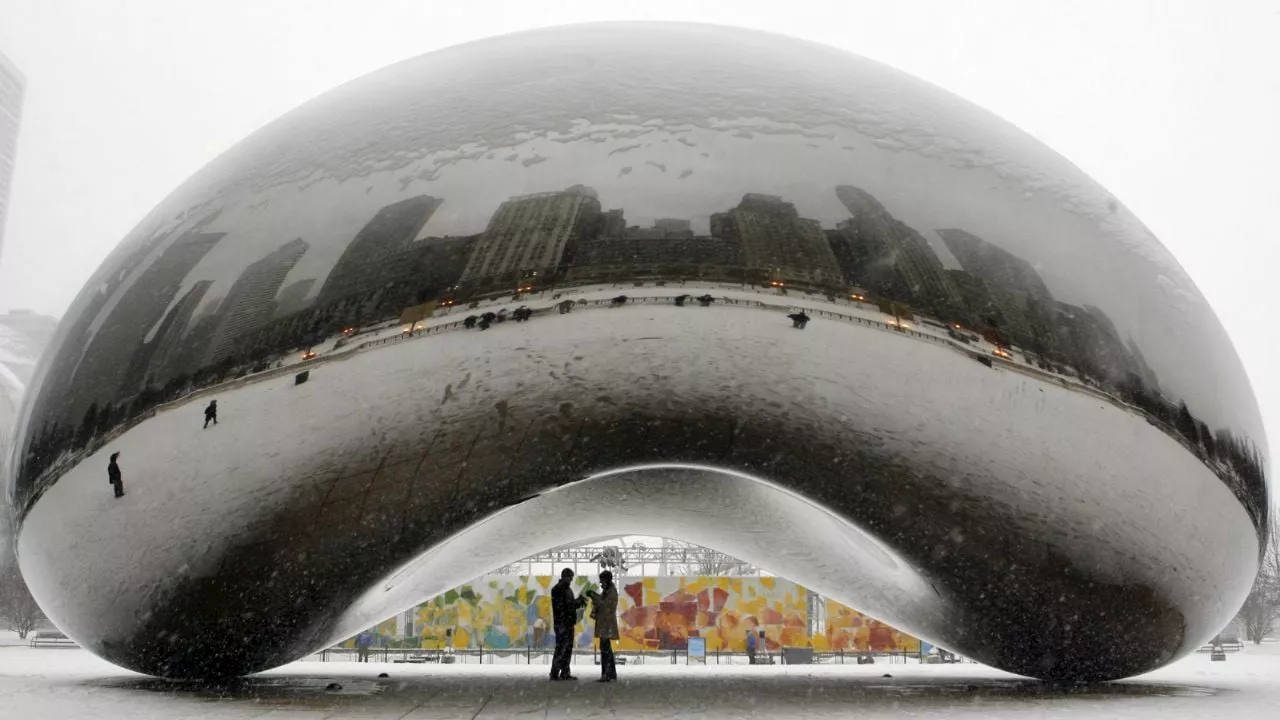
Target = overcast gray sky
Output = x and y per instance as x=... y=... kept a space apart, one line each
x=1173 y=106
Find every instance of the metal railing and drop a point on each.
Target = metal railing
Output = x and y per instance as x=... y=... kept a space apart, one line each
x=583 y=656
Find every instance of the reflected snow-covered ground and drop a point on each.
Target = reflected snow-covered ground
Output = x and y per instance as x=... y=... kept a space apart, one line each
x=192 y=493
x=71 y=684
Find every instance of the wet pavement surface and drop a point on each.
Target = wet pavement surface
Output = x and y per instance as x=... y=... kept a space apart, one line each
x=52 y=683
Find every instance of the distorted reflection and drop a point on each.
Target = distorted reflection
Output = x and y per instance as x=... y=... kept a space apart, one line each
x=433 y=301
x=153 y=347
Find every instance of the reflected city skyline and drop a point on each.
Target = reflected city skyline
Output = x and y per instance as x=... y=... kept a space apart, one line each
x=539 y=242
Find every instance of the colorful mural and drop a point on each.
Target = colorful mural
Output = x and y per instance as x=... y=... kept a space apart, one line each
x=654 y=613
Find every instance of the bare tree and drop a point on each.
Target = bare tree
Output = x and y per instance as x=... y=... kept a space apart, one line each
x=1261 y=610
x=717 y=564
x=18 y=609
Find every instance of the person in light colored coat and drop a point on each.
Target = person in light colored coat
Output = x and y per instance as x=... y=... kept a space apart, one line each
x=604 y=609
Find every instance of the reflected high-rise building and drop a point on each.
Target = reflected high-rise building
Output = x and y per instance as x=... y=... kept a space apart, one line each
x=12 y=88
x=533 y=236
x=613 y=225
x=435 y=265
x=168 y=338
x=887 y=257
x=251 y=300
x=293 y=297
x=978 y=309
x=674 y=227
x=1016 y=288
x=101 y=374
x=777 y=242
x=669 y=249
x=62 y=373
x=151 y=355
x=371 y=253
x=1090 y=342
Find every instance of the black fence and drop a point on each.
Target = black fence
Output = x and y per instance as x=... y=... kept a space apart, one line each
x=542 y=656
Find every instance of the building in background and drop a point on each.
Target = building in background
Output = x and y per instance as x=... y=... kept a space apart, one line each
x=884 y=255
x=251 y=300
x=293 y=297
x=376 y=253
x=531 y=237
x=101 y=377
x=777 y=244
x=1016 y=288
x=12 y=85
x=165 y=346
x=668 y=250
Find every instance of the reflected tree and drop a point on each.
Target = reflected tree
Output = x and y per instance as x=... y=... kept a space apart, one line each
x=18 y=609
x=1261 y=609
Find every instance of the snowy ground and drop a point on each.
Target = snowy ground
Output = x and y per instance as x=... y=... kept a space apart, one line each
x=71 y=684
x=794 y=300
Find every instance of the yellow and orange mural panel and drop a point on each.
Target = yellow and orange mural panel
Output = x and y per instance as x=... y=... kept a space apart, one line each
x=654 y=613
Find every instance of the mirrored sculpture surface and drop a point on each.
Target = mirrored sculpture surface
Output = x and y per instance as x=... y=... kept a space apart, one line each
x=691 y=281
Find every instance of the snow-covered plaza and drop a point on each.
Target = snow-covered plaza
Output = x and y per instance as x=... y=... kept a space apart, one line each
x=70 y=683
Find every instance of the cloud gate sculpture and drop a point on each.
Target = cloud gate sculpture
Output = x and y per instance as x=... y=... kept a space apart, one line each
x=680 y=280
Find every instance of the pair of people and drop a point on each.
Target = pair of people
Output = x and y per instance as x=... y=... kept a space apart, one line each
x=564 y=614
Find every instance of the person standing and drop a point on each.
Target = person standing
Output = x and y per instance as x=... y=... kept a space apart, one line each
x=564 y=615
x=113 y=475
x=363 y=641
x=604 y=608
x=211 y=413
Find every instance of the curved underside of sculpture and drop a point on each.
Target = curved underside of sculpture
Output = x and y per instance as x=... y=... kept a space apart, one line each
x=784 y=303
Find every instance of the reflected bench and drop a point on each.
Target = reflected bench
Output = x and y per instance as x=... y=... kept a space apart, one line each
x=42 y=638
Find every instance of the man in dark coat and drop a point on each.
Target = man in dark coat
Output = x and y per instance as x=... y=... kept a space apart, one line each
x=211 y=413
x=113 y=475
x=564 y=615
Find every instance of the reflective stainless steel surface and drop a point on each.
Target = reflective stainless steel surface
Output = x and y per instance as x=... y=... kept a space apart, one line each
x=784 y=302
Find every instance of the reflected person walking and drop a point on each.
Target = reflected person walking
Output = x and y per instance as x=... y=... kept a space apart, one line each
x=113 y=475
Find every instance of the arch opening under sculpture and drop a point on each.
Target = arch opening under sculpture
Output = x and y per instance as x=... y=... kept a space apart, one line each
x=741 y=515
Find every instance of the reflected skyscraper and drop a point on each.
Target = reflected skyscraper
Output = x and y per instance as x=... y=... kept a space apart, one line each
x=1089 y=340
x=883 y=255
x=173 y=329
x=531 y=236
x=293 y=297
x=101 y=378
x=251 y=300
x=778 y=244
x=370 y=256
x=1016 y=288
x=12 y=88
